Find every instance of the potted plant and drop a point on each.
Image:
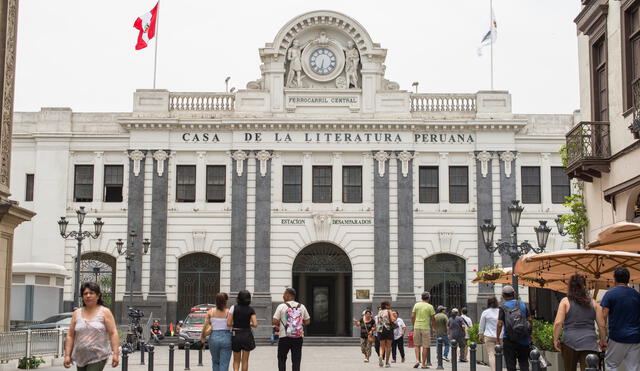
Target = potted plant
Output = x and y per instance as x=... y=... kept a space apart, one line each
x=543 y=339
x=30 y=362
x=474 y=337
x=490 y=273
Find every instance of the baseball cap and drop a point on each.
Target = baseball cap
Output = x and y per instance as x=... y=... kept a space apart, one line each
x=440 y=308
x=454 y=310
x=508 y=290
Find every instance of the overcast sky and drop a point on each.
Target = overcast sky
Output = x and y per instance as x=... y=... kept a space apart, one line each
x=80 y=53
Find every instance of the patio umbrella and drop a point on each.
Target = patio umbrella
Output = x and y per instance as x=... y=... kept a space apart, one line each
x=619 y=237
x=541 y=283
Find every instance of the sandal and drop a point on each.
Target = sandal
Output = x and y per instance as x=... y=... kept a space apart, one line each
x=416 y=365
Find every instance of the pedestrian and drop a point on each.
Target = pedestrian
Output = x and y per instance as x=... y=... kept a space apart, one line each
x=575 y=320
x=385 y=321
x=367 y=328
x=291 y=316
x=457 y=326
x=242 y=317
x=440 y=326
x=376 y=338
x=621 y=307
x=487 y=329
x=398 y=338
x=422 y=319
x=219 y=333
x=156 y=331
x=514 y=317
x=92 y=336
x=178 y=327
x=468 y=325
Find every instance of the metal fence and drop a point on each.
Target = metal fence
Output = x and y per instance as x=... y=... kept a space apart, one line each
x=20 y=344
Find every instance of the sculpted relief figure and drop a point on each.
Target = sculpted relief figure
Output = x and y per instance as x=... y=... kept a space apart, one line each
x=353 y=58
x=294 y=55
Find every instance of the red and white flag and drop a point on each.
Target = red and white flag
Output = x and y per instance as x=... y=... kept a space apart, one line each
x=146 y=24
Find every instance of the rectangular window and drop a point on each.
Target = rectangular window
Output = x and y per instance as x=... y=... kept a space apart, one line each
x=292 y=184
x=352 y=184
x=83 y=183
x=321 y=184
x=631 y=49
x=428 y=185
x=530 y=179
x=600 y=84
x=28 y=194
x=216 y=180
x=560 y=186
x=113 y=179
x=186 y=183
x=459 y=184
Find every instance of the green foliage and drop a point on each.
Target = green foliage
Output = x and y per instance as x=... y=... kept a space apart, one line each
x=489 y=273
x=543 y=335
x=563 y=155
x=576 y=223
x=30 y=362
x=474 y=334
x=122 y=335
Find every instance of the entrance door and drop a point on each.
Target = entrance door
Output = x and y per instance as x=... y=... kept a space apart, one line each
x=198 y=281
x=100 y=268
x=444 y=278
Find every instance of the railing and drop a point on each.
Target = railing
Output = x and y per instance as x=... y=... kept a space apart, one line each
x=635 y=124
x=588 y=141
x=20 y=344
x=443 y=103
x=201 y=102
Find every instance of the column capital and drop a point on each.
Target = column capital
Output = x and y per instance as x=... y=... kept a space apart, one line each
x=263 y=157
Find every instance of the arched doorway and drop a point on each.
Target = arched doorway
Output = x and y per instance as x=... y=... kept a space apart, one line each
x=100 y=268
x=198 y=281
x=445 y=279
x=322 y=278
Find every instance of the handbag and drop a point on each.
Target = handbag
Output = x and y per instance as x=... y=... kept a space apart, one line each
x=370 y=337
x=206 y=331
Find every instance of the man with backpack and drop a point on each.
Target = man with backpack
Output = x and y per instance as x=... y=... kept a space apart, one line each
x=514 y=317
x=291 y=317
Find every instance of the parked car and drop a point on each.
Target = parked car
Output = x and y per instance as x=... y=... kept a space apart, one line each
x=61 y=320
x=192 y=326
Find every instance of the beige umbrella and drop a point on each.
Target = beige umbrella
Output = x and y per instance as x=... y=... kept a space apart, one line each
x=541 y=283
x=619 y=237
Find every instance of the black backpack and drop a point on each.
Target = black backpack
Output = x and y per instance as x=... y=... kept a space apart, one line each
x=516 y=324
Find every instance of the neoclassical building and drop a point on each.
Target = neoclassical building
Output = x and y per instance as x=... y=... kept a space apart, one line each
x=322 y=174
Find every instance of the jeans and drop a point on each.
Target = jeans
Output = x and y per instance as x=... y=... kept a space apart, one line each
x=397 y=343
x=446 y=345
x=220 y=348
x=514 y=351
x=284 y=345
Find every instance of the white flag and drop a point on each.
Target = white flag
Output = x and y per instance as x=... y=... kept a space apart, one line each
x=491 y=36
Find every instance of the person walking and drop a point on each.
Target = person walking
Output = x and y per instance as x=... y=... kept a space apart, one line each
x=242 y=317
x=385 y=321
x=457 y=327
x=514 y=317
x=422 y=319
x=440 y=326
x=220 y=337
x=575 y=320
x=92 y=336
x=468 y=325
x=398 y=338
x=291 y=317
x=621 y=308
x=367 y=328
x=487 y=330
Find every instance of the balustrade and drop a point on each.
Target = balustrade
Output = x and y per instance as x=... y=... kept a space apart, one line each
x=443 y=103
x=201 y=102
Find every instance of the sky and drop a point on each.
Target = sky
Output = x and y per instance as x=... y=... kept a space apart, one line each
x=80 y=53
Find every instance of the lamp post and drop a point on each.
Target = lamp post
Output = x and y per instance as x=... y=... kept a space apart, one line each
x=415 y=85
x=512 y=248
x=79 y=236
x=129 y=254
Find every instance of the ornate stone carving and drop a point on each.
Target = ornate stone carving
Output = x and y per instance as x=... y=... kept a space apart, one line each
x=341 y=82
x=381 y=157
x=484 y=158
x=294 y=55
x=322 y=223
x=507 y=157
x=351 y=64
x=199 y=238
x=445 y=239
x=239 y=157
x=256 y=84
x=160 y=156
x=136 y=156
x=263 y=156
x=390 y=85
x=405 y=157
x=9 y=65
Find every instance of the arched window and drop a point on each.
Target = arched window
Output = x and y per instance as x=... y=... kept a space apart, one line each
x=445 y=279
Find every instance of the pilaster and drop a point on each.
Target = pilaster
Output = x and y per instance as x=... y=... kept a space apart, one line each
x=484 y=207
x=135 y=220
x=443 y=180
x=507 y=194
x=381 y=223
x=405 y=223
x=158 y=251
x=238 y=221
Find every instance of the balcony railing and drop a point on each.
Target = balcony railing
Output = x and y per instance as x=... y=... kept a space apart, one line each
x=635 y=124
x=588 y=150
x=201 y=102
x=443 y=103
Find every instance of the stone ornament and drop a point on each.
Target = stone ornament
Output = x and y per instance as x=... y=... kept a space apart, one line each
x=351 y=67
x=341 y=82
x=381 y=157
x=507 y=157
x=484 y=157
x=405 y=157
x=160 y=156
x=322 y=223
x=263 y=156
x=445 y=239
x=294 y=55
x=199 y=238
x=136 y=156
x=239 y=156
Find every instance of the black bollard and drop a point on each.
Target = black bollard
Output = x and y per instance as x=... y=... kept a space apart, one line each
x=150 y=349
x=535 y=360
x=592 y=362
x=472 y=356
x=171 y=350
x=142 y=348
x=498 y=358
x=439 y=342
x=454 y=355
x=200 y=354
x=187 y=345
x=125 y=358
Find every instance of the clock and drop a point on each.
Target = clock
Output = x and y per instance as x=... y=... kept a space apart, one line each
x=322 y=61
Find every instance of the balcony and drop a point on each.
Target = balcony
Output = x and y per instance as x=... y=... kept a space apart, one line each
x=635 y=124
x=588 y=150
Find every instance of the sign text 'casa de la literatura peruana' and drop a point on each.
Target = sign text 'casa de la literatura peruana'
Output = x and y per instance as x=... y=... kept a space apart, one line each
x=326 y=137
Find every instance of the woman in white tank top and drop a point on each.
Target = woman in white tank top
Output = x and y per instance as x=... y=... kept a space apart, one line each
x=220 y=337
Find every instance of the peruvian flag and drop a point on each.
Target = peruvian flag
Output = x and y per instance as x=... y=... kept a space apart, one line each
x=146 y=24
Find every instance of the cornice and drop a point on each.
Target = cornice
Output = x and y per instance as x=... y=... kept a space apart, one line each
x=591 y=16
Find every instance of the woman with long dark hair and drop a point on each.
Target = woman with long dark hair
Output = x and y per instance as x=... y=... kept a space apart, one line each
x=488 y=329
x=242 y=318
x=384 y=322
x=92 y=335
x=575 y=319
x=220 y=338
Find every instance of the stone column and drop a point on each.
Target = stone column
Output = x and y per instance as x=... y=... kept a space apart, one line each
x=135 y=222
x=381 y=279
x=158 y=249
x=484 y=207
x=239 y=221
x=406 y=292
x=261 y=301
x=507 y=194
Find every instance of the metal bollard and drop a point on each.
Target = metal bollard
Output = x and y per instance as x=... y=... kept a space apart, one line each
x=125 y=359
x=150 y=349
x=454 y=355
x=535 y=360
x=200 y=354
x=171 y=350
x=498 y=358
x=472 y=356
x=592 y=362
x=142 y=350
x=186 y=355
x=439 y=342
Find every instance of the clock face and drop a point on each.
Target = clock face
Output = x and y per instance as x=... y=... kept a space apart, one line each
x=322 y=61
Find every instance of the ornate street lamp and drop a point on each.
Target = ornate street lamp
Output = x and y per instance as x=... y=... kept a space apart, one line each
x=79 y=236
x=512 y=248
x=129 y=254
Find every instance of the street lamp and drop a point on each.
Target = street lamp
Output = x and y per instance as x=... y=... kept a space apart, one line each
x=512 y=248
x=129 y=255
x=79 y=236
x=226 y=84
x=415 y=85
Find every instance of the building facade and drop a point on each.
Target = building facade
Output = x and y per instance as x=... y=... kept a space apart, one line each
x=322 y=175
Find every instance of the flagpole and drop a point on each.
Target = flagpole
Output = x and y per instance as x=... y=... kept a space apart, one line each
x=155 y=54
x=491 y=46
